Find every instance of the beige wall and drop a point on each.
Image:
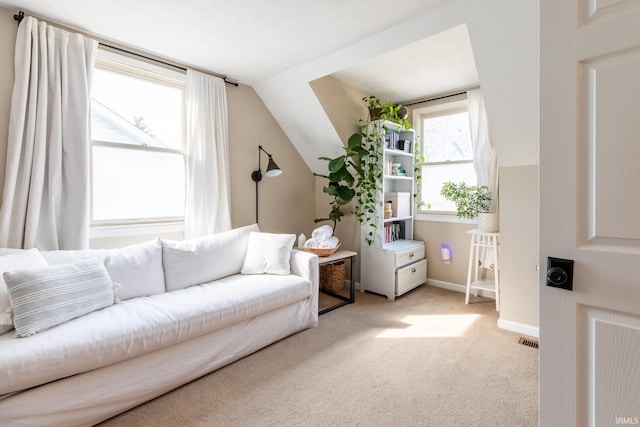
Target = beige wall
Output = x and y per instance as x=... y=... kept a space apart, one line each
x=342 y=104
x=454 y=235
x=287 y=202
x=519 y=241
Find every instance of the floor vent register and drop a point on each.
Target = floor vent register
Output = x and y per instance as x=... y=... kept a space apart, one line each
x=528 y=342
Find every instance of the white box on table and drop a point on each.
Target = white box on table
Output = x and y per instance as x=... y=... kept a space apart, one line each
x=400 y=203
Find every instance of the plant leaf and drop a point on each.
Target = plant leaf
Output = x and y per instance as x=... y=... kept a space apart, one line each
x=336 y=164
x=354 y=141
x=346 y=193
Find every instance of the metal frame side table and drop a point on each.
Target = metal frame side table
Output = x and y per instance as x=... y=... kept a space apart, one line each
x=331 y=259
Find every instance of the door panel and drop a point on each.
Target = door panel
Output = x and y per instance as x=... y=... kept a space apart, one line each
x=607 y=378
x=611 y=127
x=590 y=211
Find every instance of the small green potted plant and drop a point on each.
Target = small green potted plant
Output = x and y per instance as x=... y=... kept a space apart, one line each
x=472 y=201
x=374 y=105
x=386 y=110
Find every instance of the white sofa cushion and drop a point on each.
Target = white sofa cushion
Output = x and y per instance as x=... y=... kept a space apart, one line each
x=49 y=296
x=20 y=259
x=268 y=253
x=191 y=262
x=142 y=325
x=136 y=268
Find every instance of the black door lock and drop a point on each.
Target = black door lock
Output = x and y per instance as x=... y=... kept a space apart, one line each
x=560 y=273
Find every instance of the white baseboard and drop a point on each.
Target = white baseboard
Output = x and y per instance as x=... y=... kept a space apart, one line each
x=458 y=288
x=521 y=328
x=508 y=325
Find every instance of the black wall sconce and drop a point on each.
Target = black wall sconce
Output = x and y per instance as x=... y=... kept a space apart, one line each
x=256 y=176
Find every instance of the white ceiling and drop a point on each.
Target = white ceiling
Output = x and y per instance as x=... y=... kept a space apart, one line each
x=434 y=65
x=253 y=40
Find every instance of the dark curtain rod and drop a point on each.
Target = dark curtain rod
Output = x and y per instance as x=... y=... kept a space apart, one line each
x=435 y=99
x=20 y=16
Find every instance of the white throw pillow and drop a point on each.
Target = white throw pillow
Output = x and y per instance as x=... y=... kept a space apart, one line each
x=67 y=256
x=48 y=296
x=268 y=253
x=138 y=269
x=24 y=259
x=196 y=261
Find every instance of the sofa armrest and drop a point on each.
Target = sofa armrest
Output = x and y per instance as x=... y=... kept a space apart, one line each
x=305 y=264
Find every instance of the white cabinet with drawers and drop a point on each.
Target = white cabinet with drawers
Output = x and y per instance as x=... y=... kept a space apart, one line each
x=394 y=268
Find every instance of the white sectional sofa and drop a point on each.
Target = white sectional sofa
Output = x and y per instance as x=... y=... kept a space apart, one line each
x=183 y=309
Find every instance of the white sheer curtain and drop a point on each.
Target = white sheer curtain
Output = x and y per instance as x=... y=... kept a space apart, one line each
x=484 y=159
x=484 y=155
x=208 y=202
x=45 y=201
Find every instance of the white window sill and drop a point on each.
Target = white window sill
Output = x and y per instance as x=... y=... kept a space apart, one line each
x=445 y=218
x=123 y=230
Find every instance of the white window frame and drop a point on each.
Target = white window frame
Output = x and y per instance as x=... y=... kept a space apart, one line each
x=448 y=105
x=125 y=64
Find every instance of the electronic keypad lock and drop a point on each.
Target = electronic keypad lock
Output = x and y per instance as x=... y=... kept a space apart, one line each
x=560 y=273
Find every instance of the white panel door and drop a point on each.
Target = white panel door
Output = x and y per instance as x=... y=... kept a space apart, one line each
x=590 y=211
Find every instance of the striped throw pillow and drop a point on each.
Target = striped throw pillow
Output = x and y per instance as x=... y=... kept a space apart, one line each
x=48 y=296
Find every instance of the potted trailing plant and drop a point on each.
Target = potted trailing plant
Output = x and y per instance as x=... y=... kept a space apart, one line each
x=386 y=110
x=374 y=104
x=471 y=201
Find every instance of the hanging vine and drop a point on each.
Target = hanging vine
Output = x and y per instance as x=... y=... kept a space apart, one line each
x=418 y=159
x=369 y=191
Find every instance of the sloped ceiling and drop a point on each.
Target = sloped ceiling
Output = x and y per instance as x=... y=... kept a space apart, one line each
x=247 y=40
x=396 y=50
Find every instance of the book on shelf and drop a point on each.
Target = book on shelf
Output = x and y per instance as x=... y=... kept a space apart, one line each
x=391 y=232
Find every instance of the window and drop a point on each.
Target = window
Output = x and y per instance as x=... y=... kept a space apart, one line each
x=138 y=142
x=447 y=151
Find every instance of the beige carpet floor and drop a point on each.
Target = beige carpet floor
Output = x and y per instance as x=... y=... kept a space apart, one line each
x=426 y=359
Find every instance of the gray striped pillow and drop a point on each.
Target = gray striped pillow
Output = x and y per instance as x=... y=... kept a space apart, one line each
x=48 y=296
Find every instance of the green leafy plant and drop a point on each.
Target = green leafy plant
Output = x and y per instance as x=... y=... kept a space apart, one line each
x=418 y=159
x=384 y=110
x=469 y=199
x=372 y=102
x=355 y=175
x=369 y=190
x=344 y=173
x=358 y=172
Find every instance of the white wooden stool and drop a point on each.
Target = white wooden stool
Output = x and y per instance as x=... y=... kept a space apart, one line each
x=480 y=240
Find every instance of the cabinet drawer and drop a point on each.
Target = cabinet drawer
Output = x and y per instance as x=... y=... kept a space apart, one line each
x=411 y=276
x=410 y=256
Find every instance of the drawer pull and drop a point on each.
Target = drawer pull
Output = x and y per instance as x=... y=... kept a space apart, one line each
x=413 y=270
x=411 y=255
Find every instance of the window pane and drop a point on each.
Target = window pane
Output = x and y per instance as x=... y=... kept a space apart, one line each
x=134 y=110
x=135 y=184
x=433 y=176
x=447 y=138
